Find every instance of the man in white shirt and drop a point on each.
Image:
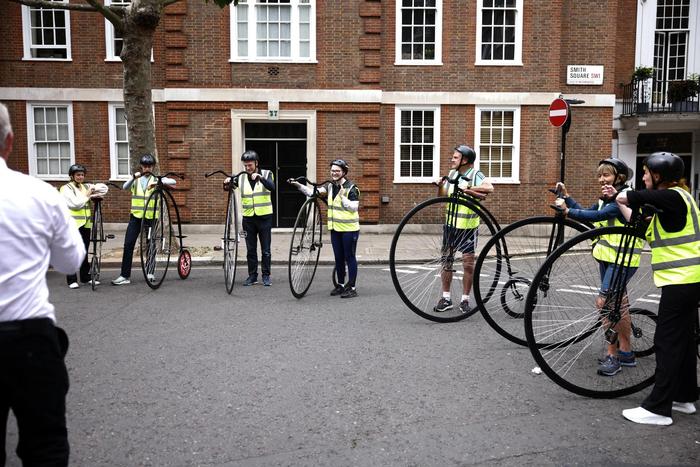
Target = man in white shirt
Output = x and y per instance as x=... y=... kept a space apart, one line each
x=35 y=230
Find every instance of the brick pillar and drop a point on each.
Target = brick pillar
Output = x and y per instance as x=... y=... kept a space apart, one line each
x=370 y=74
x=176 y=73
x=369 y=160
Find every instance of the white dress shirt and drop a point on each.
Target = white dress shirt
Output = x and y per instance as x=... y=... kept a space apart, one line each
x=36 y=230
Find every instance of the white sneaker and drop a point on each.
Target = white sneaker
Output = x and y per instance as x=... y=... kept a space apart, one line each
x=73 y=285
x=121 y=281
x=151 y=277
x=90 y=282
x=643 y=416
x=684 y=407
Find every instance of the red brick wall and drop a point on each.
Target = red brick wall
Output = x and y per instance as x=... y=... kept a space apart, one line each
x=625 y=43
x=355 y=49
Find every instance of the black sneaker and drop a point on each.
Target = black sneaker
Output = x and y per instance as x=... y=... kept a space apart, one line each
x=339 y=289
x=443 y=305
x=252 y=280
x=464 y=307
x=350 y=292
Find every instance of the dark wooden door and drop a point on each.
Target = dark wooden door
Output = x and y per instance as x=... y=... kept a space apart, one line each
x=282 y=149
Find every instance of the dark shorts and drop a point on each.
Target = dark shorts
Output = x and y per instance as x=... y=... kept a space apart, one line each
x=608 y=271
x=462 y=240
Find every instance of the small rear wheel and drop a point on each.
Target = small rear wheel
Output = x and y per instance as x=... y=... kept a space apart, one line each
x=184 y=264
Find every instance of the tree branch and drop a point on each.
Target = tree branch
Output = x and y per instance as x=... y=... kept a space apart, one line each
x=108 y=13
x=55 y=5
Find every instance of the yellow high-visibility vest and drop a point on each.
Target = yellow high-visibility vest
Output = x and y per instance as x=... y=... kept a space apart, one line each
x=341 y=219
x=605 y=248
x=675 y=256
x=462 y=217
x=139 y=197
x=255 y=201
x=81 y=216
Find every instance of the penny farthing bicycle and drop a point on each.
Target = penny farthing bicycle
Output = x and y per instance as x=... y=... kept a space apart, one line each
x=157 y=233
x=97 y=238
x=307 y=241
x=232 y=233
x=429 y=251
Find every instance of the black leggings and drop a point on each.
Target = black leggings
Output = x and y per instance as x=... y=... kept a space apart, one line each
x=676 y=366
x=344 y=246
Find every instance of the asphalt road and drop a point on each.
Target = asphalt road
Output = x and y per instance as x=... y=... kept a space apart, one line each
x=188 y=375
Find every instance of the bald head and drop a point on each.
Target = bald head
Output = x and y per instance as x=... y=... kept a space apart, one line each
x=5 y=132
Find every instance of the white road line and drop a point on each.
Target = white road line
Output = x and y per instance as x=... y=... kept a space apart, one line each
x=577 y=291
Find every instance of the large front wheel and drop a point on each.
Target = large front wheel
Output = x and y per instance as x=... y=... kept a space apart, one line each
x=97 y=237
x=156 y=239
x=432 y=264
x=230 y=241
x=569 y=325
x=305 y=248
x=507 y=264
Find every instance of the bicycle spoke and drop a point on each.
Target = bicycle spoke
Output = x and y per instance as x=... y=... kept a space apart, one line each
x=507 y=265
x=566 y=330
x=427 y=256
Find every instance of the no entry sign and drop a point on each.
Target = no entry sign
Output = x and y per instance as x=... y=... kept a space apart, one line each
x=558 y=112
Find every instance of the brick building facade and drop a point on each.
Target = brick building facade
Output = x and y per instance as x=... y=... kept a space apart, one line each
x=389 y=86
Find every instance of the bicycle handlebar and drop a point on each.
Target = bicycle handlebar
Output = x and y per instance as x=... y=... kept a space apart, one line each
x=303 y=180
x=181 y=176
x=224 y=174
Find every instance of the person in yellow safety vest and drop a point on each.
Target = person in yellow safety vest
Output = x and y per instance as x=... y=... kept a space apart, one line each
x=256 y=187
x=78 y=195
x=141 y=188
x=461 y=233
x=343 y=224
x=611 y=173
x=674 y=237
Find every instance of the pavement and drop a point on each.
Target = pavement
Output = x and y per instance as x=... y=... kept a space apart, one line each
x=204 y=244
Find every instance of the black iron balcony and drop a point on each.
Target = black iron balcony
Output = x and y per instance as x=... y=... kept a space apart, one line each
x=652 y=96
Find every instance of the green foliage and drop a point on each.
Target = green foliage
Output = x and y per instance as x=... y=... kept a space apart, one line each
x=679 y=91
x=642 y=73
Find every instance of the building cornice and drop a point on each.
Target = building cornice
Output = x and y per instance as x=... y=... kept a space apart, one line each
x=352 y=96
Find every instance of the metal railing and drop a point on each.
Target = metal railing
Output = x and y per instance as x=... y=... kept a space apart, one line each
x=654 y=96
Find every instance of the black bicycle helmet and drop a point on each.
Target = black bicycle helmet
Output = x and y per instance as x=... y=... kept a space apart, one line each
x=76 y=168
x=147 y=159
x=342 y=164
x=467 y=152
x=666 y=164
x=250 y=156
x=621 y=169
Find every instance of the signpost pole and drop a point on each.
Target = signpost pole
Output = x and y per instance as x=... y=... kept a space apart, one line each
x=562 y=155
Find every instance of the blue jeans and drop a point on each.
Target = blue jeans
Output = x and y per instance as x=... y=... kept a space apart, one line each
x=344 y=247
x=254 y=227
x=608 y=271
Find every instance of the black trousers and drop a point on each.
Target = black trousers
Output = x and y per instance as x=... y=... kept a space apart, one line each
x=132 y=234
x=254 y=227
x=676 y=370
x=85 y=267
x=34 y=384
